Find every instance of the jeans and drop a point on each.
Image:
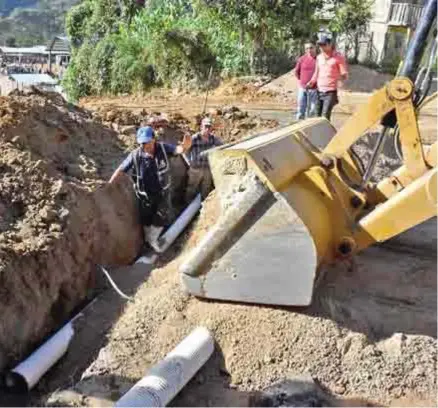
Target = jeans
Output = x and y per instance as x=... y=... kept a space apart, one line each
x=307 y=100
x=326 y=103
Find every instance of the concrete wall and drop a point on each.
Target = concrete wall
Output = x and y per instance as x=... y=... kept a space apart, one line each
x=383 y=43
x=7 y=85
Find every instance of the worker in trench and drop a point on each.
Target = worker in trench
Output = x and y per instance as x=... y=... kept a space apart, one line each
x=152 y=180
x=199 y=174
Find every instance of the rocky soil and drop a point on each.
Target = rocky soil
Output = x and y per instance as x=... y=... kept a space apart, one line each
x=369 y=337
x=58 y=217
x=55 y=215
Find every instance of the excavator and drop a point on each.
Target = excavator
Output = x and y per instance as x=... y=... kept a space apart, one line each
x=298 y=199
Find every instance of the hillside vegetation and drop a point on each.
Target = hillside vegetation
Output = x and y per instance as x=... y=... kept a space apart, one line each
x=126 y=46
x=31 y=22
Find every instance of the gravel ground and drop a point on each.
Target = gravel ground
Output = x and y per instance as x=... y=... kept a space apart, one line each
x=369 y=337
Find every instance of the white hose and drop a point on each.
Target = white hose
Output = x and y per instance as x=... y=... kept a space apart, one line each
x=115 y=287
x=25 y=375
x=148 y=260
x=180 y=224
x=169 y=376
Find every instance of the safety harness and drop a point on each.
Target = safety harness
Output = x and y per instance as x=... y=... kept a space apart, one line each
x=164 y=176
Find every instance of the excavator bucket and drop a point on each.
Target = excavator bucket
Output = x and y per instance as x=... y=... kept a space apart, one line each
x=276 y=220
x=295 y=199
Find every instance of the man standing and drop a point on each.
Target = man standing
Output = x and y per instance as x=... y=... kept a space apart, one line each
x=330 y=69
x=307 y=95
x=199 y=175
x=151 y=174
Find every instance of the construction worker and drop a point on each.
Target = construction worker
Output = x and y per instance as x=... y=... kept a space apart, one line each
x=151 y=173
x=199 y=174
x=157 y=123
x=307 y=95
x=331 y=68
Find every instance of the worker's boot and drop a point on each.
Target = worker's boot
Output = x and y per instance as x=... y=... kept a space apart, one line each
x=152 y=234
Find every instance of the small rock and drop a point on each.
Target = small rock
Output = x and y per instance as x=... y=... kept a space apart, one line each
x=393 y=346
x=339 y=389
x=55 y=228
x=47 y=215
x=16 y=139
x=127 y=130
x=63 y=213
x=269 y=359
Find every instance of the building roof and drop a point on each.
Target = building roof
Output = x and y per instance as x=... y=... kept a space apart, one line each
x=34 y=79
x=59 y=45
x=38 y=49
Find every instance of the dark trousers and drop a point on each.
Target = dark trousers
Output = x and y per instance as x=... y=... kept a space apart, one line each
x=326 y=102
x=153 y=210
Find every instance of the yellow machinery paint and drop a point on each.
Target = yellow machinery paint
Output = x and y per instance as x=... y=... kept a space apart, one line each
x=308 y=168
x=297 y=199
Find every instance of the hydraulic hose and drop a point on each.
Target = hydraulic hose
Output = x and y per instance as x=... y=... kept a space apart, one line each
x=415 y=52
x=418 y=43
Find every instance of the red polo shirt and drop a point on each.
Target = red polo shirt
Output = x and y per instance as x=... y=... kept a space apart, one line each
x=329 y=69
x=304 y=69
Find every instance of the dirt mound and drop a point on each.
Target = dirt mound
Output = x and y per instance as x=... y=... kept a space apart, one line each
x=230 y=123
x=244 y=86
x=55 y=223
x=361 y=79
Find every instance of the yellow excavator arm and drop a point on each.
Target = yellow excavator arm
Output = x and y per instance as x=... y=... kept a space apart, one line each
x=297 y=199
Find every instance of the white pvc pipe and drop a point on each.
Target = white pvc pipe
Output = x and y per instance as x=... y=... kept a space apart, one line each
x=169 y=376
x=25 y=375
x=180 y=224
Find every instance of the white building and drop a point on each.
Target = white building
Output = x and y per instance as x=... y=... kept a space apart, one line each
x=390 y=30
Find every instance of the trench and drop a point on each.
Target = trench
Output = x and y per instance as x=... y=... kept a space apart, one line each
x=99 y=316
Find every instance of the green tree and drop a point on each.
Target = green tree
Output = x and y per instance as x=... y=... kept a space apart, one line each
x=268 y=23
x=351 y=18
x=10 y=41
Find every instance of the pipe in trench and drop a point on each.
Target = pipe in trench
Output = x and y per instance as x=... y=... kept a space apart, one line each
x=27 y=374
x=164 y=380
x=168 y=238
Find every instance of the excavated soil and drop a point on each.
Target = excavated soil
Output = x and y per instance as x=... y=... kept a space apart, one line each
x=369 y=338
x=57 y=219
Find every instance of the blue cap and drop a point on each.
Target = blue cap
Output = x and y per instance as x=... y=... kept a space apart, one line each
x=145 y=135
x=324 y=39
